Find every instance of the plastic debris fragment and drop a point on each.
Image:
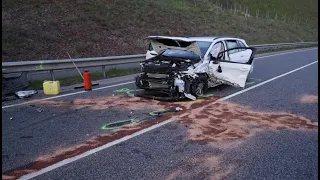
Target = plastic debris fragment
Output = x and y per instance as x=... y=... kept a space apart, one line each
x=40 y=110
x=24 y=94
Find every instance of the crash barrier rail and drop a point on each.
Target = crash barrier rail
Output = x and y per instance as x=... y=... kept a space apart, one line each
x=51 y=65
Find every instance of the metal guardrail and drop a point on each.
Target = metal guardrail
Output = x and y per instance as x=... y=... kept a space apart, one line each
x=283 y=44
x=51 y=65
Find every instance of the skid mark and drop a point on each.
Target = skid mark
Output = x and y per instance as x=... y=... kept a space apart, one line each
x=309 y=99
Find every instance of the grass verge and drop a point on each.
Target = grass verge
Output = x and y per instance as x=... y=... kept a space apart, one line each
x=42 y=30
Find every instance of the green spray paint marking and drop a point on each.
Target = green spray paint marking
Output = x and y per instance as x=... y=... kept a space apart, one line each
x=122 y=90
x=118 y=124
x=205 y=96
x=126 y=90
x=248 y=83
x=157 y=113
x=255 y=79
x=41 y=65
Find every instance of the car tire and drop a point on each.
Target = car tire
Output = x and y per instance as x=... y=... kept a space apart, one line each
x=198 y=87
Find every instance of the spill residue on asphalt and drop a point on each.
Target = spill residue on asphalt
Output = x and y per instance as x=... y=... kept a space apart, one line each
x=207 y=122
x=61 y=154
x=219 y=124
x=309 y=99
x=224 y=120
x=115 y=102
x=202 y=167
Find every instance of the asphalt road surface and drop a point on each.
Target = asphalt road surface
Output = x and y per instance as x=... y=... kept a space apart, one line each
x=268 y=130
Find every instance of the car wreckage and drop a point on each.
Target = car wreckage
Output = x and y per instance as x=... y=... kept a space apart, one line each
x=185 y=67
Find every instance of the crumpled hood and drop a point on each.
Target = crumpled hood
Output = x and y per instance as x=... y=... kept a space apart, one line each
x=160 y=43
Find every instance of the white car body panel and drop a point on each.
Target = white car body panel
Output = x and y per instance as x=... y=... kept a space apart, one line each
x=150 y=54
x=241 y=57
x=158 y=47
x=234 y=74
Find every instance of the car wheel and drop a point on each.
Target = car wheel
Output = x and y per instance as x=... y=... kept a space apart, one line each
x=198 y=88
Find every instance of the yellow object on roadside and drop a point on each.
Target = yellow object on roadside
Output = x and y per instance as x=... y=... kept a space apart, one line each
x=51 y=87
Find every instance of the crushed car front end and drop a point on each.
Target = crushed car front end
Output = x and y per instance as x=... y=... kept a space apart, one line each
x=173 y=77
x=165 y=75
x=172 y=71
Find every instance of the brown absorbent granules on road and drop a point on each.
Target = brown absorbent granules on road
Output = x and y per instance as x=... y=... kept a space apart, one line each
x=61 y=154
x=207 y=121
x=210 y=122
x=216 y=122
x=309 y=99
x=115 y=102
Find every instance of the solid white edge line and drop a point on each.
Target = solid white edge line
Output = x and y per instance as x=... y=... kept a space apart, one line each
x=55 y=97
x=80 y=92
x=92 y=151
x=264 y=82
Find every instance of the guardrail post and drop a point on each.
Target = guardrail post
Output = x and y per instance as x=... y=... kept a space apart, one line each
x=104 y=71
x=52 y=75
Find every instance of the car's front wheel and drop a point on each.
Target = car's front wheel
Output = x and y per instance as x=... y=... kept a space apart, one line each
x=198 y=88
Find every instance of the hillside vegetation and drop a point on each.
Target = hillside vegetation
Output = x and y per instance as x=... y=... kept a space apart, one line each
x=43 y=29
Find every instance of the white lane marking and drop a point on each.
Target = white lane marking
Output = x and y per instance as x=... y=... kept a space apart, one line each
x=92 y=151
x=284 y=53
x=264 y=82
x=70 y=94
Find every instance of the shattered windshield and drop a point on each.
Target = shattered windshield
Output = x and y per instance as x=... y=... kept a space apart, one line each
x=181 y=54
x=203 y=46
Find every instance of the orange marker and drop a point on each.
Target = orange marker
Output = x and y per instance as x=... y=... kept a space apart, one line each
x=87 y=81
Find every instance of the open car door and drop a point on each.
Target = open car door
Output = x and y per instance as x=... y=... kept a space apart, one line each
x=234 y=71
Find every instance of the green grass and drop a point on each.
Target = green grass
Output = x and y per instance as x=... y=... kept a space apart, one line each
x=292 y=10
x=37 y=30
x=67 y=81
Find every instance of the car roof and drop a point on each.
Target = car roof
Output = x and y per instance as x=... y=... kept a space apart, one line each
x=211 y=38
x=196 y=38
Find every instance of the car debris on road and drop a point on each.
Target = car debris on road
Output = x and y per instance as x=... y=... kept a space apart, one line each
x=25 y=94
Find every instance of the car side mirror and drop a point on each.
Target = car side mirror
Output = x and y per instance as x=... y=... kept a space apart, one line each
x=212 y=59
x=220 y=55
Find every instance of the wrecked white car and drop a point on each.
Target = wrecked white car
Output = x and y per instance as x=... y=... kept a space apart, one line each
x=186 y=67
